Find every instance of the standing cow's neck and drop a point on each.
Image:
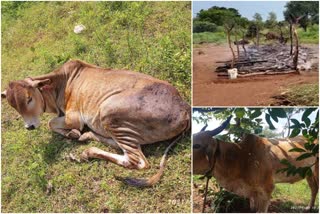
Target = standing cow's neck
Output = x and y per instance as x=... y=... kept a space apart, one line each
x=228 y=154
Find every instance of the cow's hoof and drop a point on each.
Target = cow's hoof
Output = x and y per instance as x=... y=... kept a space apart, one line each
x=84 y=156
x=88 y=153
x=74 y=134
x=85 y=137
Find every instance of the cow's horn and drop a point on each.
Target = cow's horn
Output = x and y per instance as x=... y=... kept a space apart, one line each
x=220 y=128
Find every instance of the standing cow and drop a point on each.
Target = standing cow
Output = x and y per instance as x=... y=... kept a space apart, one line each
x=249 y=168
x=124 y=109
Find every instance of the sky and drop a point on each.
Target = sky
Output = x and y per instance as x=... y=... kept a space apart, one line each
x=279 y=126
x=245 y=8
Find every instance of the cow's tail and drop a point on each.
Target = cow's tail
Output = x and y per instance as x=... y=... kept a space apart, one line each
x=140 y=182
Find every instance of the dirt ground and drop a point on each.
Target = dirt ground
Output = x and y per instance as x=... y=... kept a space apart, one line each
x=209 y=90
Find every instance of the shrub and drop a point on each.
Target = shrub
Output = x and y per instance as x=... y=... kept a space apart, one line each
x=203 y=26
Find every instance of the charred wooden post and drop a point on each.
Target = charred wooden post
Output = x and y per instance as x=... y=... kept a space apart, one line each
x=291 y=42
x=296 y=52
x=295 y=22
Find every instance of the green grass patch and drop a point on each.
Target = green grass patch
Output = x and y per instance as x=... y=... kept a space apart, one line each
x=303 y=95
x=209 y=37
x=293 y=197
x=148 y=37
x=311 y=36
x=285 y=198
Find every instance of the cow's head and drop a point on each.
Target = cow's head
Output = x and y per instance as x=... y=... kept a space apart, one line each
x=25 y=97
x=204 y=147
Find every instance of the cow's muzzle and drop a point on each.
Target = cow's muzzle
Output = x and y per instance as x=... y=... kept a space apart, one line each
x=30 y=127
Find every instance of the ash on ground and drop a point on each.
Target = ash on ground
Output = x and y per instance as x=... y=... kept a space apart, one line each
x=270 y=59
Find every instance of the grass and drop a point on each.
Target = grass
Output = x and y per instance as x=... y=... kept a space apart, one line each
x=311 y=36
x=293 y=197
x=219 y=37
x=303 y=95
x=209 y=37
x=285 y=198
x=148 y=37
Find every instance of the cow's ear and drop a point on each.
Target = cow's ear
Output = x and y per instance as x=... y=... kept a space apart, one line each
x=4 y=94
x=40 y=83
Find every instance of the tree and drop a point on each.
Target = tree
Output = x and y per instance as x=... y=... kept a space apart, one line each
x=271 y=21
x=258 y=21
x=242 y=25
x=229 y=25
x=203 y=26
x=310 y=10
x=217 y=15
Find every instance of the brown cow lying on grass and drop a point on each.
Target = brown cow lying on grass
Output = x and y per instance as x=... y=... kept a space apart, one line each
x=249 y=168
x=124 y=109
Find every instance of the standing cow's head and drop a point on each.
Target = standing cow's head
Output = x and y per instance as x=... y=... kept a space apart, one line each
x=25 y=97
x=204 y=147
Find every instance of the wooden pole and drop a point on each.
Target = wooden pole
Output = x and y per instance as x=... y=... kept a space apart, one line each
x=296 y=52
x=230 y=46
x=291 y=42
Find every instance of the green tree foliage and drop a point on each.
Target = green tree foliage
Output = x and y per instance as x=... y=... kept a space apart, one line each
x=218 y=15
x=203 y=26
x=299 y=8
x=310 y=130
x=271 y=21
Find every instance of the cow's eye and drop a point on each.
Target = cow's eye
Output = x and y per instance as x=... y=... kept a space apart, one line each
x=29 y=100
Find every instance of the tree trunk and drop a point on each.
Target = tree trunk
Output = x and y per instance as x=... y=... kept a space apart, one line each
x=296 y=52
x=230 y=46
x=243 y=46
x=291 y=42
x=237 y=43
x=305 y=28
x=258 y=37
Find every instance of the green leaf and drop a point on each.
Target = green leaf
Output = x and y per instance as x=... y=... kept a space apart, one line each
x=309 y=146
x=297 y=150
x=296 y=124
x=255 y=114
x=305 y=132
x=304 y=156
x=240 y=112
x=294 y=133
x=285 y=162
x=307 y=121
x=273 y=115
x=258 y=120
x=315 y=149
x=279 y=112
x=269 y=122
x=306 y=113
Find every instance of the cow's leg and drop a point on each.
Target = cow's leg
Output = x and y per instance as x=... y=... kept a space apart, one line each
x=59 y=125
x=132 y=158
x=252 y=204
x=262 y=203
x=94 y=136
x=314 y=186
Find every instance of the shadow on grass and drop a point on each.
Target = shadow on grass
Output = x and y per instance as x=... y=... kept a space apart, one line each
x=59 y=144
x=286 y=206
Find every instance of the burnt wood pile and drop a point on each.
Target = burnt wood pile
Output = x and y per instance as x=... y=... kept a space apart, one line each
x=268 y=59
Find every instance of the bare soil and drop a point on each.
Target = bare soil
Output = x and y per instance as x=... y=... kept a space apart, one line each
x=211 y=90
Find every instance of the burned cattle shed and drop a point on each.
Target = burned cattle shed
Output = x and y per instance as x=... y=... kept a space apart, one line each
x=269 y=59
